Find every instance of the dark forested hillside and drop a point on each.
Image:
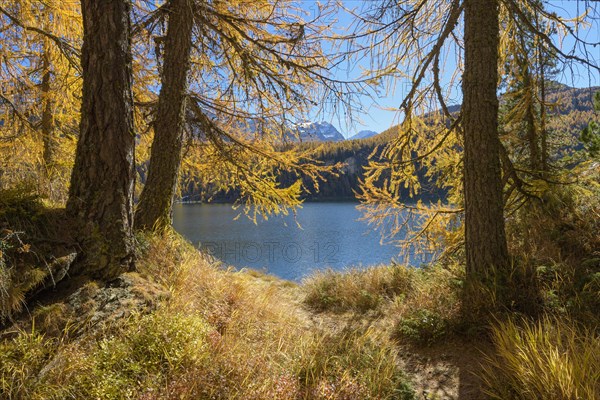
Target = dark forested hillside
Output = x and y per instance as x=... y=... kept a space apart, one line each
x=573 y=110
x=353 y=154
x=570 y=112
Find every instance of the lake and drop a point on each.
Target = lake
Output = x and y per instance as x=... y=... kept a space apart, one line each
x=330 y=236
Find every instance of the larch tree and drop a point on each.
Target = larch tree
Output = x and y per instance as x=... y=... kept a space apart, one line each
x=156 y=201
x=459 y=149
x=485 y=237
x=252 y=71
x=39 y=69
x=527 y=66
x=590 y=135
x=102 y=183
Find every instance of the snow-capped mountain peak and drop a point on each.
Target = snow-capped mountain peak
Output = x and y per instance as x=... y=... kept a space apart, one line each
x=318 y=131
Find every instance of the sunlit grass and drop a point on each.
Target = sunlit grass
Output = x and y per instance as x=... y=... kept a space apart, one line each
x=357 y=289
x=221 y=334
x=227 y=334
x=420 y=304
x=552 y=359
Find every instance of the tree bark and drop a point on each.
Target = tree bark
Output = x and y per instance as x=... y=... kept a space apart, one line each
x=542 y=56
x=47 y=121
x=543 y=131
x=156 y=202
x=101 y=193
x=530 y=117
x=485 y=238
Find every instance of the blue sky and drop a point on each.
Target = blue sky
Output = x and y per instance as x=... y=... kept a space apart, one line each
x=376 y=115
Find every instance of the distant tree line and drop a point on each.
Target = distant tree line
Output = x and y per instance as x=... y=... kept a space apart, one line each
x=344 y=183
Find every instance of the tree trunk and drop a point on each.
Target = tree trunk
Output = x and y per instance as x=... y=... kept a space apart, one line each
x=156 y=202
x=485 y=238
x=543 y=131
x=530 y=117
x=542 y=74
x=102 y=183
x=47 y=122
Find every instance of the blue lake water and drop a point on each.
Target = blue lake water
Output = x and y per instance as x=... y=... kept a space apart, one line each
x=330 y=236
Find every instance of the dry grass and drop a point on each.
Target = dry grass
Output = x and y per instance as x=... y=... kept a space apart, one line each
x=221 y=334
x=420 y=304
x=224 y=334
x=357 y=289
x=552 y=359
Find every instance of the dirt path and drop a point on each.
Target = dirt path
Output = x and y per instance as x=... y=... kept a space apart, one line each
x=444 y=371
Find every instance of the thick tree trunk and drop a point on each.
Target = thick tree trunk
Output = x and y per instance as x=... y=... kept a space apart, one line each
x=485 y=238
x=156 y=202
x=101 y=192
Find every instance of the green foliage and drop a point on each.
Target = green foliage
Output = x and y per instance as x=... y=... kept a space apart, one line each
x=19 y=204
x=550 y=359
x=571 y=289
x=144 y=356
x=556 y=241
x=423 y=326
x=139 y=357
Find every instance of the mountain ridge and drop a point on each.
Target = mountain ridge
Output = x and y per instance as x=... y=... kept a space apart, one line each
x=318 y=132
x=364 y=134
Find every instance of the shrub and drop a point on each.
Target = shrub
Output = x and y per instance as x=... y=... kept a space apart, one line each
x=572 y=289
x=496 y=291
x=146 y=355
x=432 y=310
x=423 y=326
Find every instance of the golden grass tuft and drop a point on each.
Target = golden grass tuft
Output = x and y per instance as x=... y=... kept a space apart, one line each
x=551 y=359
x=357 y=289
